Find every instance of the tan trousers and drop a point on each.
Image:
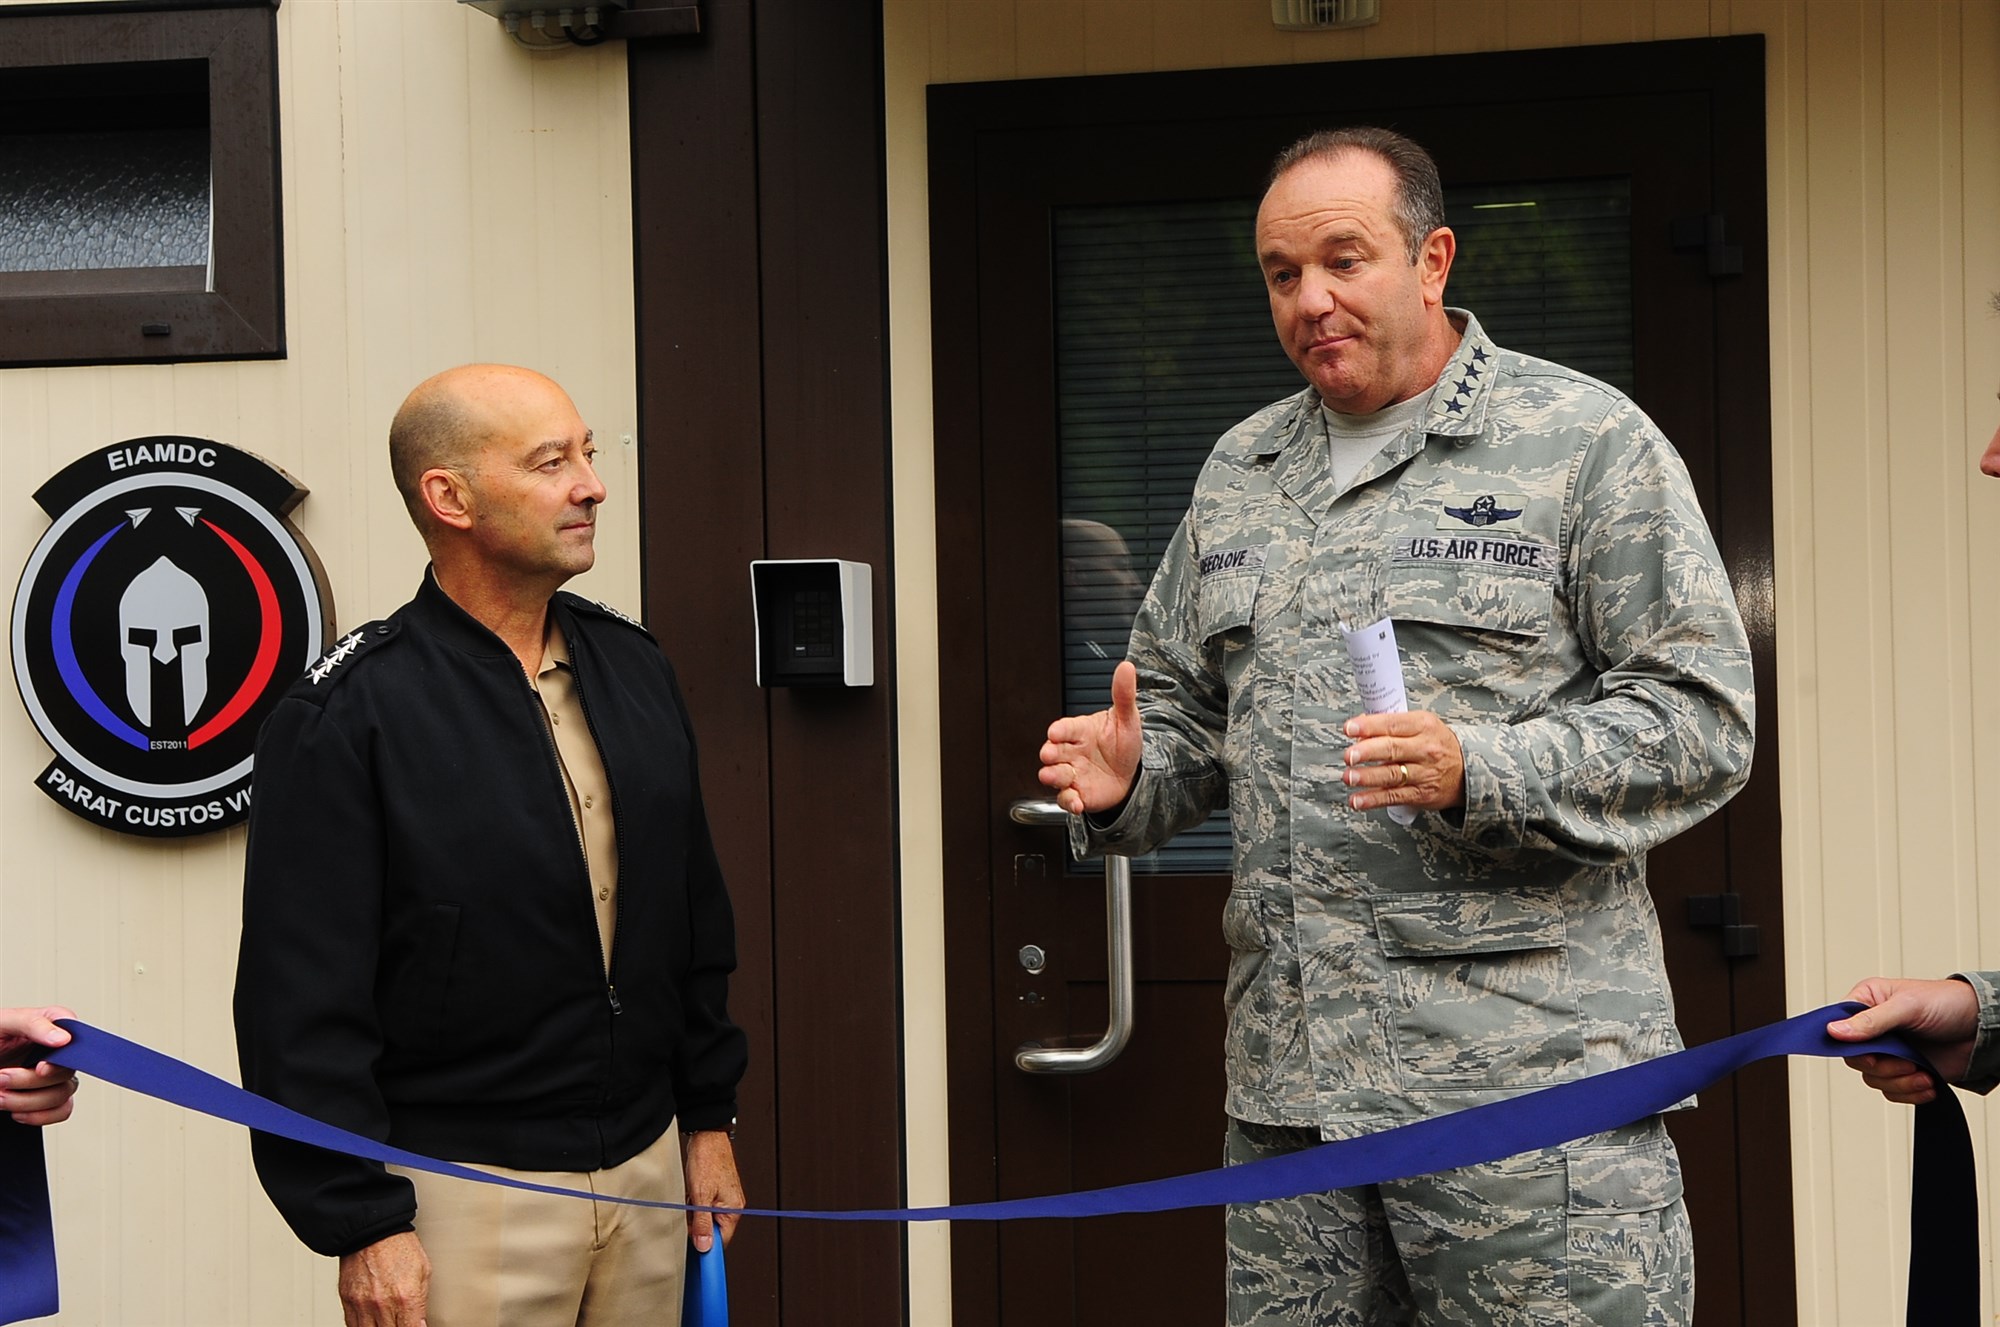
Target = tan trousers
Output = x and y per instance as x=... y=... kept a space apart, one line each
x=507 y=1258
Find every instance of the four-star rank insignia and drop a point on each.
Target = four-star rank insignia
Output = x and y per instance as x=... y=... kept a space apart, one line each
x=162 y=615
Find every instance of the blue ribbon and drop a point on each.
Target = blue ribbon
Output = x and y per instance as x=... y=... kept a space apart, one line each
x=706 y=1301
x=1944 y=1252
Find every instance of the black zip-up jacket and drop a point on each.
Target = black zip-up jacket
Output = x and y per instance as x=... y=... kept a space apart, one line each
x=420 y=959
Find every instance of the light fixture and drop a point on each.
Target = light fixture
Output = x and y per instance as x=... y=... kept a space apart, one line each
x=538 y=25
x=1318 y=15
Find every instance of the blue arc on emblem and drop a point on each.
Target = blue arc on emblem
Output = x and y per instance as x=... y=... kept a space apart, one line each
x=166 y=609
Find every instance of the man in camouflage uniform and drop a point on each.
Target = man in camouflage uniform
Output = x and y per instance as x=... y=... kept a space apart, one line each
x=1579 y=688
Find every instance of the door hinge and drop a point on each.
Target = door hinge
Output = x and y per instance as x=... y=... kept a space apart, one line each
x=1706 y=234
x=1724 y=912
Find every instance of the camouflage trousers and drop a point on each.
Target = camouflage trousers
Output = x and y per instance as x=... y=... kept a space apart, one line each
x=1591 y=1233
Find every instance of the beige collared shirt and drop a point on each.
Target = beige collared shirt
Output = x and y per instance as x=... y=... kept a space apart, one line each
x=583 y=774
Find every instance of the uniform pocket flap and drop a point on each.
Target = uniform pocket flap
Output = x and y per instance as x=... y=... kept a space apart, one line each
x=1464 y=922
x=1605 y=1180
x=1516 y=601
x=1229 y=596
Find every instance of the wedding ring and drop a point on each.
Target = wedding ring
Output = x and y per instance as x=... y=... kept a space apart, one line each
x=1404 y=770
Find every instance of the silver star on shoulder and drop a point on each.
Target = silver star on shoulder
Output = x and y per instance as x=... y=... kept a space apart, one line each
x=620 y=614
x=324 y=668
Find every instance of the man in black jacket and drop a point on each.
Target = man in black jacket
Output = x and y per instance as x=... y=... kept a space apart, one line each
x=483 y=918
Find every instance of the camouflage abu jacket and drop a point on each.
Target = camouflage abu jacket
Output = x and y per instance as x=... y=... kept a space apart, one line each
x=1983 y=1073
x=1559 y=601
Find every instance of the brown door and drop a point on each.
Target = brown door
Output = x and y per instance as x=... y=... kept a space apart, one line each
x=1098 y=321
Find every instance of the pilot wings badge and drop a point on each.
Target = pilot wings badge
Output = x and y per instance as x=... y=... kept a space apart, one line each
x=1484 y=511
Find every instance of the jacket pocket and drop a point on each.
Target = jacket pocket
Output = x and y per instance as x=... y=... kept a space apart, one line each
x=1481 y=990
x=1263 y=1032
x=1228 y=601
x=422 y=991
x=1471 y=599
x=1243 y=920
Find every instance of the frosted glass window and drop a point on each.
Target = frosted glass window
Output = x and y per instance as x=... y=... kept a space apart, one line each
x=139 y=217
x=117 y=199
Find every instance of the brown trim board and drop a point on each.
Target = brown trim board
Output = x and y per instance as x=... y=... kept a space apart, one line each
x=760 y=236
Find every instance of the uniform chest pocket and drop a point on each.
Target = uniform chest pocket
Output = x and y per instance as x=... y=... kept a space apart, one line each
x=1476 y=599
x=1482 y=993
x=1228 y=601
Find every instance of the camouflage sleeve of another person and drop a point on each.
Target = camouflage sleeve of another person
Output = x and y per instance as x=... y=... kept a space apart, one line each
x=1664 y=735
x=1184 y=704
x=1983 y=1073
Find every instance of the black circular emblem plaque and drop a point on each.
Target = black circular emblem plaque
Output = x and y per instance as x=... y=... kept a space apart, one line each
x=167 y=608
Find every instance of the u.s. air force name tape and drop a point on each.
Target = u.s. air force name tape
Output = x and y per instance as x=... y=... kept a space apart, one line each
x=1944 y=1247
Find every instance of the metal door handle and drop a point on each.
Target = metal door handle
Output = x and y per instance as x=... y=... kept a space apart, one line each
x=1035 y=1059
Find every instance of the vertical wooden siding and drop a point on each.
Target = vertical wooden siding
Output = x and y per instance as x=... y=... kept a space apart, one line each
x=1885 y=242
x=758 y=201
x=1884 y=133
x=448 y=196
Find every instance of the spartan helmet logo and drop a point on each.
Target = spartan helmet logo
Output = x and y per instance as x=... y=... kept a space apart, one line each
x=164 y=614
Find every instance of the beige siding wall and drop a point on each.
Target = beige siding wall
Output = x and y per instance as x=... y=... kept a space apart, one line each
x=1884 y=133
x=447 y=197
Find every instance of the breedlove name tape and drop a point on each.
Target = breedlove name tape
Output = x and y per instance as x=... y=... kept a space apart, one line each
x=1944 y=1214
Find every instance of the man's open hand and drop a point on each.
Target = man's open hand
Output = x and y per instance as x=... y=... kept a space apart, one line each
x=1090 y=760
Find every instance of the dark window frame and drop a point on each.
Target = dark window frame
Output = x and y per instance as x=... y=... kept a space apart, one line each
x=241 y=315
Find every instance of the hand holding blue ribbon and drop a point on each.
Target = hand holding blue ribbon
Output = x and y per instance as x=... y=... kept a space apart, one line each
x=1944 y=1243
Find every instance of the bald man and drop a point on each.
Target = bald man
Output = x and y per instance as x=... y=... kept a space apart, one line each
x=482 y=916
